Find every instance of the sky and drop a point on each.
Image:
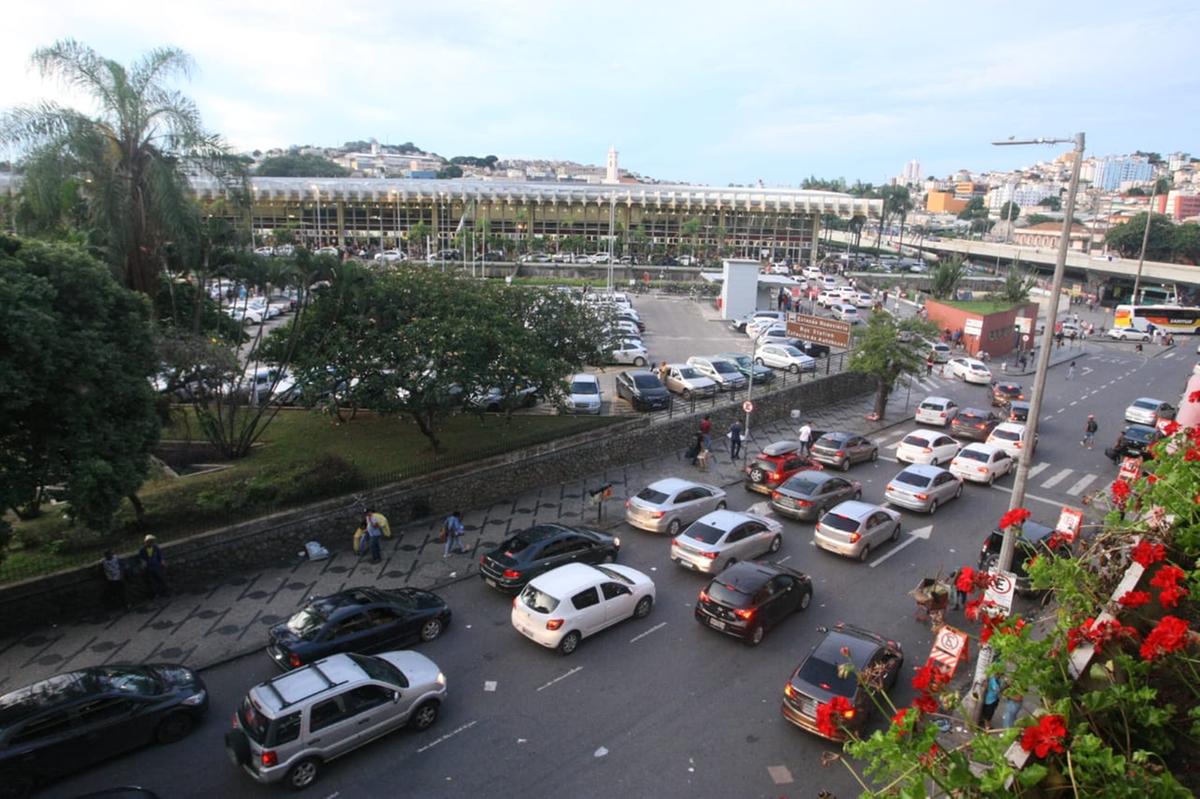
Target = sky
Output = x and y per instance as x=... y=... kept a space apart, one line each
x=698 y=91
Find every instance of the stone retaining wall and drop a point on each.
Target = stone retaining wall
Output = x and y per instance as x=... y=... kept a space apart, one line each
x=206 y=558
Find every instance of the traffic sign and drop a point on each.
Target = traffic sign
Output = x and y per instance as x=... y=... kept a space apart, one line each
x=819 y=330
x=1000 y=590
x=1131 y=469
x=748 y=406
x=949 y=649
x=1069 y=522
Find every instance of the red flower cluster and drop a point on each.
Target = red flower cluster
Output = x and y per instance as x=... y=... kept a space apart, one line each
x=899 y=718
x=1171 y=428
x=1014 y=518
x=966 y=580
x=1170 y=635
x=1134 y=599
x=930 y=757
x=1192 y=455
x=1098 y=634
x=1046 y=736
x=1194 y=396
x=1148 y=552
x=1167 y=579
x=829 y=713
x=1120 y=491
x=928 y=679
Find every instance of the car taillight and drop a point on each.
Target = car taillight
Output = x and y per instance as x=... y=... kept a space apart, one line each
x=981 y=469
x=744 y=613
x=942 y=415
x=628 y=505
x=855 y=538
x=709 y=555
x=482 y=559
x=775 y=476
x=890 y=487
x=840 y=453
x=511 y=574
x=921 y=497
x=658 y=514
x=294 y=661
x=269 y=758
x=803 y=503
x=1017 y=444
x=554 y=624
x=981 y=425
x=926 y=449
x=703 y=595
x=848 y=714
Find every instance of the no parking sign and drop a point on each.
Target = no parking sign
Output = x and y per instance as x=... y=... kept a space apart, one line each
x=1000 y=590
x=949 y=649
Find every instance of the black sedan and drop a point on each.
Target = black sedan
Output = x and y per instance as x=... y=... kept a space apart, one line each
x=538 y=549
x=1005 y=393
x=644 y=390
x=74 y=720
x=974 y=424
x=357 y=620
x=748 y=598
x=1134 y=441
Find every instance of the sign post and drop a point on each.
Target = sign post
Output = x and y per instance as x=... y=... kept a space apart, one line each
x=999 y=594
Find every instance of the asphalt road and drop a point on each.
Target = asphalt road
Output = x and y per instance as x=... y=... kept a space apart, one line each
x=663 y=707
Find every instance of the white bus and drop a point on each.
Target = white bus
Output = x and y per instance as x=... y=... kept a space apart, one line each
x=1167 y=318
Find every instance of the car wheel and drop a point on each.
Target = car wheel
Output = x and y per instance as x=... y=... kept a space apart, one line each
x=639 y=361
x=991 y=478
x=303 y=774
x=425 y=715
x=174 y=727
x=874 y=455
x=958 y=493
x=674 y=527
x=569 y=643
x=721 y=505
x=794 y=369
x=686 y=394
x=933 y=507
x=431 y=629
x=776 y=543
x=896 y=533
x=805 y=600
x=642 y=610
x=865 y=553
x=755 y=637
x=845 y=466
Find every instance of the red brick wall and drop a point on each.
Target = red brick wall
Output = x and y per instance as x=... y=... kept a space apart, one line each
x=998 y=335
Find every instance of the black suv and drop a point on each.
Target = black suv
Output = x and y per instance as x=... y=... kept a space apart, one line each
x=747 y=599
x=538 y=549
x=819 y=677
x=644 y=390
x=73 y=720
x=357 y=620
x=1004 y=394
x=1134 y=441
x=1034 y=538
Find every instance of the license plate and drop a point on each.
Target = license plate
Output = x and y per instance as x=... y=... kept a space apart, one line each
x=717 y=624
x=490 y=582
x=686 y=564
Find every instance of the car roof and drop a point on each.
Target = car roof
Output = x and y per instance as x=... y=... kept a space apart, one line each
x=780 y=448
x=540 y=532
x=927 y=435
x=559 y=582
x=839 y=435
x=351 y=597
x=669 y=485
x=861 y=647
x=855 y=509
x=971 y=412
x=746 y=576
x=726 y=519
x=1008 y=385
x=1149 y=399
x=61 y=689
x=1012 y=427
x=293 y=687
x=638 y=373
x=584 y=377
x=976 y=446
x=1141 y=428
x=938 y=400
x=923 y=469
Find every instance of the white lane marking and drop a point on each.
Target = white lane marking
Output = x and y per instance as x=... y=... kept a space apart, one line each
x=640 y=636
x=575 y=670
x=1169 y=355
x=447 y=736
x=489 y=685
x=1058 y=478
x=1038 y=469
x=1074 y=403
x=1061 y=410
x=784 y=559
x=1086 y=369
x=909 y=540
x=1080 y=484
x=1055 y=502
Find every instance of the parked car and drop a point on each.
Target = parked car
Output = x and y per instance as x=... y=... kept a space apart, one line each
x=970 y=370
x=981 y=463
x=841 y=449
x=854 y=529
x=747 y=366
x=629 y=351
x=1033 y=538
x=718 y=539
x=1012 y=438
x=357 y=620
x=687 y=382
x=806 y=495
x=497 y=399
x=666 y=506
x=386 y=256
x=1006 y=393
x=747 y=599
x=938 y=411
x=264 y=251
x=973 y=424
x=644 y=390
x=739 y=324
x=821 y=676
x=538 y=549
x=923 y=488
x=1146 y=410
x=73 y=720
x=1127 y=334
x=1134 y=441
x=721 y=371
x=583 y=394
x=775 y=464
x=561 y=607
x=926 y=446
x=784 y=356
x=290 y=727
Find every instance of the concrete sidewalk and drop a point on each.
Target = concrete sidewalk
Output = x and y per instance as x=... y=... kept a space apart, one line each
x=224 y=621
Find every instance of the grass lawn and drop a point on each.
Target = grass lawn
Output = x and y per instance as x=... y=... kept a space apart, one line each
x=303 y=457
x=980 y=306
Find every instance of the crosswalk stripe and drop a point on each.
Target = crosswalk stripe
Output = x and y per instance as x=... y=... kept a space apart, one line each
x=1038 y=469
x=1058 y=478
x=1080 y=484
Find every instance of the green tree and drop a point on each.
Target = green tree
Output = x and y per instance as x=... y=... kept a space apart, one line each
x=1126 y=238
x=1185 y=243
x=946 y=276
x=418 y=234
x=888 y=349
x=297 y=165
x=1010 y=211
x=1053 y=203
x=1017 y=286
x=130 y=156
x=975 y=209
x=76 y=404
x=450 y=171
x=1037 y=219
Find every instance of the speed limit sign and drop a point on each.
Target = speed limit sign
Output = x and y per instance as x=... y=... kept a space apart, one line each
x=748 y=406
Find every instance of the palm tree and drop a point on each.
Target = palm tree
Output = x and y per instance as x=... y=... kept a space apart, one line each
x=901 y=204
x=129 y=158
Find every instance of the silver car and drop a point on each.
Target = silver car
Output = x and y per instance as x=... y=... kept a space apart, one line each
x=722 y=372
x=723 y=537
x=923 y=487
x=856 y=528
x=840 y=449
x=688 y=382
x=1147 y=411
x=806 y=495
x=666 y=506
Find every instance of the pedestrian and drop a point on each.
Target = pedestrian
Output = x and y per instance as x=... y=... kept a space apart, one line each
x=454 y=534
x=114 y=580
x=1089 y=432
x=1012 y=707
x=706 y=431
x=805 y=438
x=960 y=596
x=929 y=366
x=1071 y=371
x=702 y=458
x=377 y=528
x=991 y=700
x=693 y=452
x=780 y=299
x=735 y=440
x=663 y=371
x=154 y=568
x=885 y=296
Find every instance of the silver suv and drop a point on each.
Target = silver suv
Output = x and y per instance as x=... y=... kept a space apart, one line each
x=290 y=726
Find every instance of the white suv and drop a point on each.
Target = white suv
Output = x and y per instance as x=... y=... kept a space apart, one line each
x=290 y=726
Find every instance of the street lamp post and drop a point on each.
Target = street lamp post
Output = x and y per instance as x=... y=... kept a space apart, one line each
x=317 y=191
x=750 y=384
x=1137 y=280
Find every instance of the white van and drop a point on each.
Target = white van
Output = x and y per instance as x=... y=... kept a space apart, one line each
x=846 y=313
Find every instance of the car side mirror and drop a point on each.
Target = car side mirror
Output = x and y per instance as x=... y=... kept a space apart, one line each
x=822 y=629
x=395 y=697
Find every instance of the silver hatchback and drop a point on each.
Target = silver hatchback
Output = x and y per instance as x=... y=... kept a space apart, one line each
x=922 y=487
x=666 y=506
x=806 y=495
x=724 y=537
x=841 y=449
x=856 y=528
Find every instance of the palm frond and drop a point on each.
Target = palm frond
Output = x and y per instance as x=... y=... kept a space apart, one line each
x=80 y=66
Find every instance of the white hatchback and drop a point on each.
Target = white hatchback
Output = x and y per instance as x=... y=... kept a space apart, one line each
x=927 y=446
x=981 y=463
x=565 y=605
x=1011 y=437
x=970 y=370
x=939 y=411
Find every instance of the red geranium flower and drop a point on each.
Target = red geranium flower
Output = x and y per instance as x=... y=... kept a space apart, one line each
x=1171 y=428
x=930 y=757
x=1134 y=599
x=928 y=678
x=925 y=704
x=1169 y=597
x=966 y=580
x=1152 y=479
x=1148 y=552
x=1167 y=576
x=1170 y=635
x=1194 y=396
x=829 y=714
x=1046 y=736
x=1077 y=635
x=899 y=717
x=1120 y=490
x=1014 y=518
x=1192 y=455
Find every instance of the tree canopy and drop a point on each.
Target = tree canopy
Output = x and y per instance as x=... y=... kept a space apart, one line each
x=1126 y=238
x=889 y=348
x=1010 y=211
x=297 y=165
x=1053 y=203
x=946 y=276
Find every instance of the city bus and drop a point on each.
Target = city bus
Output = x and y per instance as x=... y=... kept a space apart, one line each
x=1167 y=318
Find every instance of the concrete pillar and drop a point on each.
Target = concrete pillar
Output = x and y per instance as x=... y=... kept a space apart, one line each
x=341 y=223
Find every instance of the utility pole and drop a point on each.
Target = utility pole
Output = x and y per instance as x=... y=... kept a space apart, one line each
x=1137 y=281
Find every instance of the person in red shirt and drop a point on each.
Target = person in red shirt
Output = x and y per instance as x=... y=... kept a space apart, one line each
x=706 y=431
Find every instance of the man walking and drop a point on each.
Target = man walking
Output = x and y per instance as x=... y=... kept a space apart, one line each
x=153 y=567
x=1089 y=432
x=735 y=440
x=377 y=527
x=706 y=431
x=114 y=580
x=1071 y=371
x=454 y=534
x=805 y=438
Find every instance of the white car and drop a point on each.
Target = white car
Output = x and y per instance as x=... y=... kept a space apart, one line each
x=939 y=411
x=927 y=446
x=828 y=281
x=630 y=351
x=741 y=323
x=970 y=370
x=761 y=323
x=939 y=351
x=827 y=299
x=981 y=463
x=598 y=258
x=267 y=251
x=666 y=506
x=565 y=605
x=845 y=313
x=863 y=299
x=583 y=394
x=1127 y=334
x=784 y=356
x=623 y=327
x=722 y=371
x=247 y=315
x=1010 y=437
x=846 y=293
x=327 y=251
x=389 y=256
x=715 y=541
x=779 y=269
x=688 y=382
x=813 y=272
x=1147 y=411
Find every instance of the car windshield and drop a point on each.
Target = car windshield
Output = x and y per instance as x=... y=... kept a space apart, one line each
x=792 y=351
x=911 y=479
x=253 y=723
x=802 y=485
x=379 y=669
x=538 y=601
x=817 y=671
x=651 y=496
x=727 y=595
x=840 y=522
x=741 y=360
x=585 y=387
x=974 y=455
x=1139 y=434
x=646 y=381
x=1146 y=405
x=614 y=574
x=916 y=441
x=307 y=623
x=931 y=406
x=724 y=367
x=688 y=373
x=1007 y=435
x=699 y=531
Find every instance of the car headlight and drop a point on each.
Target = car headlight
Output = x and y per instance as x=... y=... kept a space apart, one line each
x=616 y=541
x=196 y=699
x=441 y=679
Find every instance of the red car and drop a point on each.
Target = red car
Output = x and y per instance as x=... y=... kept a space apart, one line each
x=776 y=463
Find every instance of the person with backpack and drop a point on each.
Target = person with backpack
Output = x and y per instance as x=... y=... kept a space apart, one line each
x=1089 y=432
x=454 y=533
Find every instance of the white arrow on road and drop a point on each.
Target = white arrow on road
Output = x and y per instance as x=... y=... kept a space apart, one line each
x=921 y=533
